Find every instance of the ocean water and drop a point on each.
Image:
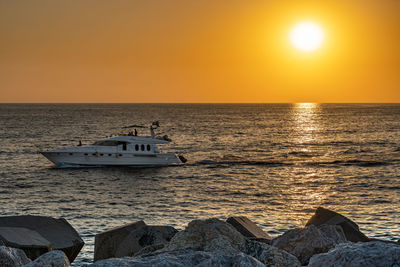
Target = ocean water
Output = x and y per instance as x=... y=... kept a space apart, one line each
x=274 y=163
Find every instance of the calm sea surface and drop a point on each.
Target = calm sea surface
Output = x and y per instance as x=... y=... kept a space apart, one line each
x=274 y=163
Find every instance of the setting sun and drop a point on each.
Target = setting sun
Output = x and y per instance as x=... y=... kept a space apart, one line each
x=307 y=36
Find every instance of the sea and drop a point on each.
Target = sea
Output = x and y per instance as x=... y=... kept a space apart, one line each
x=274 y=163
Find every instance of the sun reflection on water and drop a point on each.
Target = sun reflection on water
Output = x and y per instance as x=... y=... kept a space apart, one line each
x=305 y=117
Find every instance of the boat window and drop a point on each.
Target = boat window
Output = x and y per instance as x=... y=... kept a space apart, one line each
x=148 y=147
x=142 y=147
x=107 y=143
x=94 y=154
x=137 y=147
x=101 y=154
x=71 y=154
x=124 y=146
x=109 y=155
x=120 y=155
x=86 y=154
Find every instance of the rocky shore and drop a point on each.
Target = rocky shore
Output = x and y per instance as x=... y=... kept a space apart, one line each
x=327 y=239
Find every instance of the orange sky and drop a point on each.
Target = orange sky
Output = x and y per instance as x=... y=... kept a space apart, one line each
x=197 y=51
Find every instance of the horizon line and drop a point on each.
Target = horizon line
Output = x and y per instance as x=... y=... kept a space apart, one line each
x=6 y=103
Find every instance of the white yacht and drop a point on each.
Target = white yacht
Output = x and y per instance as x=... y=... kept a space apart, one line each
x=125 y=149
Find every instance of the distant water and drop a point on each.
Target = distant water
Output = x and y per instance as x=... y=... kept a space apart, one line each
x=274 y=163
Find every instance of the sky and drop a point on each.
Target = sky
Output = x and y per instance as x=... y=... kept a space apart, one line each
x=211 y=51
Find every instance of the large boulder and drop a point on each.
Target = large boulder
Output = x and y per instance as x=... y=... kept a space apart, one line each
x=54 y=258
x=12 y=257
x=247 y=228
x=350 y=228
x=31 y=242
x=181 y=258
x=60 y=234
x=270 y=256
x=108 y=243
x=305 y=242
x=211 y=235
x=368 y=254
x=150 y=237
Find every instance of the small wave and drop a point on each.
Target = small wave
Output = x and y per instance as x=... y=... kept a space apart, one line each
x=242 y=162
x=305 y=154
x=361 y=163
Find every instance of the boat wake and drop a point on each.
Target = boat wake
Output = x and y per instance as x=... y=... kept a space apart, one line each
x=333 y=163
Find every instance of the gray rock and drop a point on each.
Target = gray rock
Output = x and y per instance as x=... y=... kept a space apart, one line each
x=305 y=242
x=180 y=258
x=108 y=243
x=350 y=228
x=262 y=240
x=270 y=256
x=231 y=261
x=334 y=232
x=31 y=242
x=247 y=228
x=385 y=241
x=146 y=236
x=369 y=254
x=60 y=234
x=54 y=258
x=210 y=235
x=149 y=249
x=12 y=257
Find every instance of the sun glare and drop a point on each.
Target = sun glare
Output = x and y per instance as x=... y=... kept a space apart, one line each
x=307 y=36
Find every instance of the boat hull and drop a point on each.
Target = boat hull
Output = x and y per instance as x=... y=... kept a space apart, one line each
x=67 y=159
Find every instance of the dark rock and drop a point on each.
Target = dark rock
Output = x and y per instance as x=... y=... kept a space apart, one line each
x=269 y=255
x=145 y=236
x=350 y=228
x=12 y=257
x=305 y=242
x=247 y=228
x=365 y=254
x=108 y=243
x=31 y=242
x=152 y=235
x=54 y=258
x=59 y=232
x=181 y=258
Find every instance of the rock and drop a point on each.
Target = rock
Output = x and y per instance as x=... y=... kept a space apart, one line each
x=149 y=249
x=247 y=228
x=228 y=261
x=210 y=235
x=368 y=254
x=54 y=258
x=145 y=236
x=385 y=241
x=350 y=228
x=181 y=258
x=149 y=236
x=270 y=256
x=107 y=244
x=262 y=240
x=334 y=232
x=305 y=242
x=60 y=234
x=31 y=242
x=12 y=257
